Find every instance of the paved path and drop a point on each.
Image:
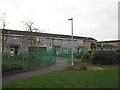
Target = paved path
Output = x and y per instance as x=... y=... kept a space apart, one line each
x=61 y=63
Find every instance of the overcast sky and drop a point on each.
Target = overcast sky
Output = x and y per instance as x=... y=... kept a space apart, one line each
x=92 y=18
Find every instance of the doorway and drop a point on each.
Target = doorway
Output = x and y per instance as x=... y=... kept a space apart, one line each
x=13 y=50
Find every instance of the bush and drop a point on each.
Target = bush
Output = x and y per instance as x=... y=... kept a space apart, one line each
x=118 y=58
x=118 y=50
x=11 y=67
x=87 y=55
x=105 y=57
x=11 y=64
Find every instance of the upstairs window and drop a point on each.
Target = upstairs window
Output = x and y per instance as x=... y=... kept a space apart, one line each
x=80 y=41
x=14 y=37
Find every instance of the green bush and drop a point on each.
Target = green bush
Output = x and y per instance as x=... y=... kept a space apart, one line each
x=118 y=50
x=84 y=56
x=118 y=58
x=105 y=57
x=11 y=67
x=87 y=55
x=11 y=64
x=78 y=56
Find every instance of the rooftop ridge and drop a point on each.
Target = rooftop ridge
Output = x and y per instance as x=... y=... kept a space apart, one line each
x=43 y=34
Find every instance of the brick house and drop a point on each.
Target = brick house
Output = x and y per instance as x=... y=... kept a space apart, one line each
x=16 y=42
x=108 y=45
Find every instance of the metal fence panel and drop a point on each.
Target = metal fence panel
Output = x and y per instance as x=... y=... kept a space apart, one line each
x=28 y=61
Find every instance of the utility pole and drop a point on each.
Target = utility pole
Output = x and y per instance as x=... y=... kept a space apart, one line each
x=71 y=39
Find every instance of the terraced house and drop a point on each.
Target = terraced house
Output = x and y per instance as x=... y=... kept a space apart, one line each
x=108 y=45
x=16 y=42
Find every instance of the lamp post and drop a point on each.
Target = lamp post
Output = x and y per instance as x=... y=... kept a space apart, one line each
x=71 y=38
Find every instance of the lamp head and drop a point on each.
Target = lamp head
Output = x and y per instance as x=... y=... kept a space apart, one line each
x=70 y=19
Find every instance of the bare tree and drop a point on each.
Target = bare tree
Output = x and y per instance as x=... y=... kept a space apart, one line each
x=3 y=20
x=4 y=34
x=5 y=37
x=29 y=26
x=31 y=37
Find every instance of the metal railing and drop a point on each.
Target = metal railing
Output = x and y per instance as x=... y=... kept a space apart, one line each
x=28 y=61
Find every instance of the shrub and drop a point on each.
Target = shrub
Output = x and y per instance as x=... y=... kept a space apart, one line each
x=105 y=57
x=87 y=55
x=118 y=58
x=78 y=56
x=84 y=56
x=118 y=50
x=11 y=67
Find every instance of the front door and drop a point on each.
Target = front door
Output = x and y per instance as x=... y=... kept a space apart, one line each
x=16 y=50
x=13 y=50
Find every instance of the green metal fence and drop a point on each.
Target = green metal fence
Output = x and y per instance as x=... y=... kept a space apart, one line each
x=28 y=61
x=37 y=59
x=67 y=53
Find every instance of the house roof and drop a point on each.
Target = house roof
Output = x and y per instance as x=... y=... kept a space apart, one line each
x=5 y=31
x=111 y=41
x=105 y=46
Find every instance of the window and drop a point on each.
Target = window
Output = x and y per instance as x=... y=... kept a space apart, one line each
x=41 y=39
x=44 y=40
x=22 y=43
x=76 y=48
x=55 y=40
x=64 y=41
x=0 y=36
x=65 y=48
x=38 y=40
x=11 y=49
x=50 y=44
x=14 y=37
x=80 y=41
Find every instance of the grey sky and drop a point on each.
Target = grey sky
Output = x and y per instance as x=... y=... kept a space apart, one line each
x=92 y=18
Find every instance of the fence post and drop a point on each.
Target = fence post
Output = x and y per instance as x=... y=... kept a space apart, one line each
x=23 y=65
x=69 y=55
x=54 y=55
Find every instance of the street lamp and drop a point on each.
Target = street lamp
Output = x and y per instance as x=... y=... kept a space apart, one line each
x=71 y=38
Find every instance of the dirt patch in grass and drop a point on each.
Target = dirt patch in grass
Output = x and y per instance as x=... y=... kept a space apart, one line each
x=82 y=66
x=77 y=68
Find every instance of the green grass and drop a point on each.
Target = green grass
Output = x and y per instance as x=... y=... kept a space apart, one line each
x=11 y=60
x=15 y=64
x=71 y=79
x=9 y=65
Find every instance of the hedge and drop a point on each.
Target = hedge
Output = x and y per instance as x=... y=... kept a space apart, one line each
x=105 y=57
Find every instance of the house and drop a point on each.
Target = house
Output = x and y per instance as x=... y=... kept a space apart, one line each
x=108 y=45
x=16 y=42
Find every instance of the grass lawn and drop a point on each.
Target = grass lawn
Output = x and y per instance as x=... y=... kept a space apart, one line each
x=14 y=65
x=11 y=64
x=11 y=60
x=107 y=78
